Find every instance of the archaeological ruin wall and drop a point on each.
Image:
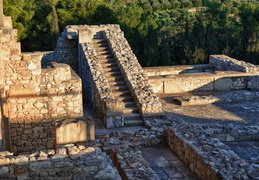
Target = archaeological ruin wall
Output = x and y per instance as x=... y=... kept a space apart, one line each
x=96 y=89
x=143 y=93
x=222 y=73
x=68 y=162
x=33 y=98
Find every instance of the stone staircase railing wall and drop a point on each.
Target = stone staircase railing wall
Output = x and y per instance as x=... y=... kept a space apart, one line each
x=108 y=108
x=146 y=99
x=95 y=84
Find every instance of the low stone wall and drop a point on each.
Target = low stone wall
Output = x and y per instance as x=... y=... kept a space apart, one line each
x=217 y=81
x=146 y=99
x=69 y=162
x=132 y=165
x=205 y=155
x=180 y=69
x=225 y=63
x=235 y=132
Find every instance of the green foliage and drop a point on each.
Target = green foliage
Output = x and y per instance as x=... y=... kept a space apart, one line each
x=160 y=32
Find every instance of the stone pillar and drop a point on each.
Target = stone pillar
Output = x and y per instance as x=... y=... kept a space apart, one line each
x=1 y=15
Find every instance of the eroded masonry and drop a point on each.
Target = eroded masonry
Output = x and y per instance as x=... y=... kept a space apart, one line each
x=42 y=120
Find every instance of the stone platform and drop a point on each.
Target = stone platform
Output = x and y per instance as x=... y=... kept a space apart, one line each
x=203 y=98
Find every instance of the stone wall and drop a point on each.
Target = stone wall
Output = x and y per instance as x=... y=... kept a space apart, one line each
x=32 y=97
x=206 y=156
x=225 y=63
x=232 y=132
x=67 y=162
x=216 y=81
x=108 y=108
x=144 y=96
x=65 y=51
x=30 y=137
x=223 y=73
x=95 y=85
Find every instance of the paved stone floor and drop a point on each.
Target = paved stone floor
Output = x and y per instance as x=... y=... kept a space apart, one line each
x=166 y=164
x=245 y=149
x=235 y=112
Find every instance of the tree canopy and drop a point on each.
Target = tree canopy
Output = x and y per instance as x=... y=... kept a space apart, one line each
x=160 y=32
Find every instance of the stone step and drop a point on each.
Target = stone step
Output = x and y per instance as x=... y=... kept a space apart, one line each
x=130 y=110
x=153 y=116
x=132 y=116
x=117 y=83
x=112 y=71
x=115 y=78
x=99 y=40
x=110 y=60
x=104 y=53
x=105 y=56
x=121 y=93
x=130 y=104
x=119 y=88
x=101 y=44
x=113 y=64
x=134 y=122
x=101 y=49
x=125 y=98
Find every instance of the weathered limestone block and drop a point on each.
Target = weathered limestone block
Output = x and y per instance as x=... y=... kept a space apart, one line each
x=62 y=72
x=74 y=130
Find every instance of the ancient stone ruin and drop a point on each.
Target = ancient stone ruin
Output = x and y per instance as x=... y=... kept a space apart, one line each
x=45 y=134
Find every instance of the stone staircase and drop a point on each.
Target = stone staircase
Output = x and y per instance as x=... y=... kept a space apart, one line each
x=117 y=82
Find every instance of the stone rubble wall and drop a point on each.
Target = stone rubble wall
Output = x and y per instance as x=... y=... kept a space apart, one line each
x=132 y=165
x=225 y=63
x=195 y=145
x=125 y=148
x=230 y=133
x=108 y=108
x=67 y=162
x=206 y=155
x=146 y=99
x=30 y=137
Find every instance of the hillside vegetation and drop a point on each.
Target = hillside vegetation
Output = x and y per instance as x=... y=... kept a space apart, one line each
x=160 y=32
